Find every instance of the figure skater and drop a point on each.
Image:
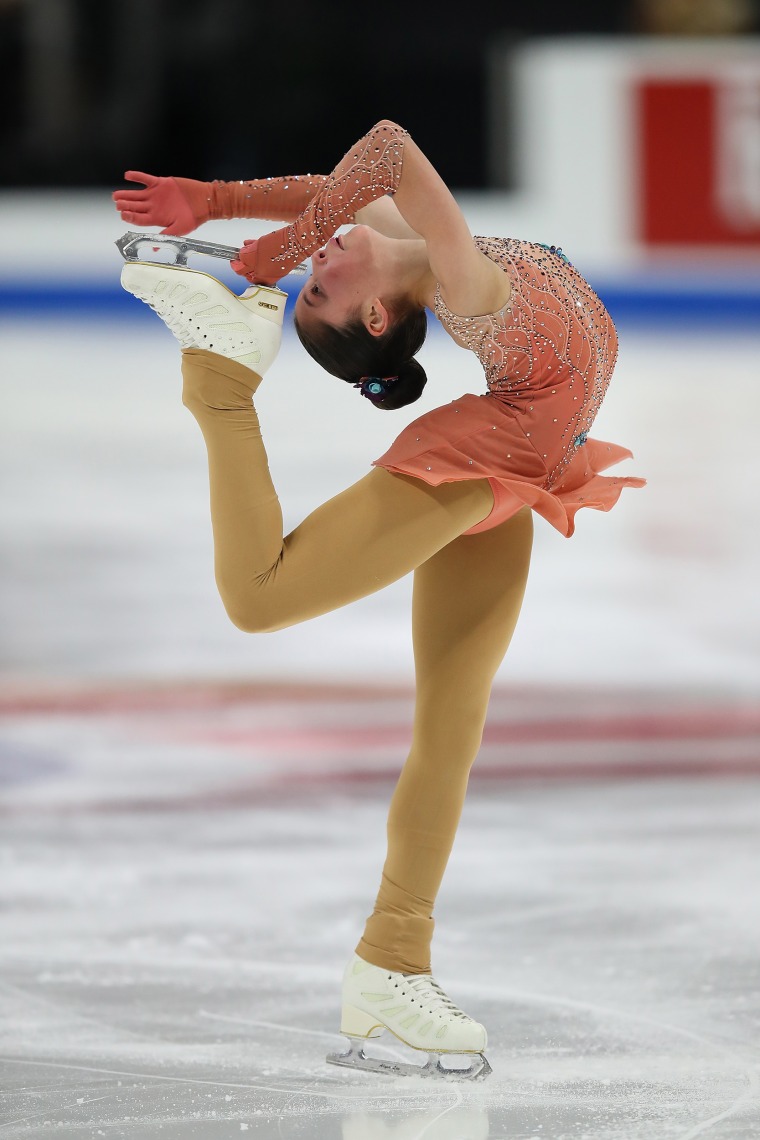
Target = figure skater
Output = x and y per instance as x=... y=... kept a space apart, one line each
x=451 y=500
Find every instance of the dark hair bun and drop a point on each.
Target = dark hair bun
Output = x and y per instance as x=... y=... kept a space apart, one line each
x=408 y=388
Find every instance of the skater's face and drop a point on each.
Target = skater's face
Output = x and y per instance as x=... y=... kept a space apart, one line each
x=344 y=281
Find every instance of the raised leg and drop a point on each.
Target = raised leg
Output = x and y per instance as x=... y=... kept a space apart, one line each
x=368 y=536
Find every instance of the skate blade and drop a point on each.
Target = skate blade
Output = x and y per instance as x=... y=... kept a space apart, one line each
x=163 y=249
x=355 y=1058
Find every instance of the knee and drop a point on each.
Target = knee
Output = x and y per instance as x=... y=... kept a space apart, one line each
x=451 y=724
x=251 y=623
x=253 y=611
x=246 y=605
x=452 y=718
x=245 y=621
x=249 y=617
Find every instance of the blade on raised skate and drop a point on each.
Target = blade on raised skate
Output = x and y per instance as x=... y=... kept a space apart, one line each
x=167 y=250
x=355 y=1058
x=159 y=247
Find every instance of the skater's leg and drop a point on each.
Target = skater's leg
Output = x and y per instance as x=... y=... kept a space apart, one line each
x=467 y=599
x=370 y=535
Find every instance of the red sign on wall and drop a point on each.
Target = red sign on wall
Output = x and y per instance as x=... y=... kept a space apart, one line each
x=699 y=161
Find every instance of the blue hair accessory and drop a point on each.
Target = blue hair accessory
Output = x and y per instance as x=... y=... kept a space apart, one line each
x=375 y=388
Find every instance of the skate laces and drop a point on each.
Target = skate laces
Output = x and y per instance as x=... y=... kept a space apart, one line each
x=425 y=985
x=174 y=323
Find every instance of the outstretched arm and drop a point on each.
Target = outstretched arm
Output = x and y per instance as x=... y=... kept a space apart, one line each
x=180 y=205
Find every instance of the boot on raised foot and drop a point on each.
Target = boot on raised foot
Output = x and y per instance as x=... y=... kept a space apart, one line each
x=201 y=312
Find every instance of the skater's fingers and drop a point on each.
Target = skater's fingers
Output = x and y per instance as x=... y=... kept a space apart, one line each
x=133 y=216
x=139 y=176
x=242 y=271
x=135 y=207
x=139 y=205
x=245 y=264
x=132 y=208
x=129 y=195
x=252 y=277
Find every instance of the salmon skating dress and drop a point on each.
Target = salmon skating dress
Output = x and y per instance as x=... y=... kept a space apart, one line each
x=548 y=356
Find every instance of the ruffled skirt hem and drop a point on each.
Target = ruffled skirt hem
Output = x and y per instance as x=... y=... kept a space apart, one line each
x=580 y=486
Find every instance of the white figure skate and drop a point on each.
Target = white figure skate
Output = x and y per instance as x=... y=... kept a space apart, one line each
x=414 y=1008
x=201 y=312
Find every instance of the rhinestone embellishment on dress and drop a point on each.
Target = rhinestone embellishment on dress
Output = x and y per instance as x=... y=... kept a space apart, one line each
x=553 y=338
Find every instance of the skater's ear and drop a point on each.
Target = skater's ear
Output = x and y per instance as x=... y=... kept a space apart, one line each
x=377 y=318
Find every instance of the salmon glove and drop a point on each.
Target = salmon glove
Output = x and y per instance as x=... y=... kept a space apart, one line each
x=180 y=205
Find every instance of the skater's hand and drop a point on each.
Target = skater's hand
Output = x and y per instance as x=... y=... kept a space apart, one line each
x=255 y=268
x=177 y=204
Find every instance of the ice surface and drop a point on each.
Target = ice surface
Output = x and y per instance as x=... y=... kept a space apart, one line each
x=171 y=961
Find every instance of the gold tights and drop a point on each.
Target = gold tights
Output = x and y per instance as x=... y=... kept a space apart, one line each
x=467 y=595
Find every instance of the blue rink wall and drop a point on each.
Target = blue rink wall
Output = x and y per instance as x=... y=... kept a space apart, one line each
x=646 y=298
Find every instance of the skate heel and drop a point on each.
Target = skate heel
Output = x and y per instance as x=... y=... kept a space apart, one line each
x=356 y=1023
x=265 y=302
